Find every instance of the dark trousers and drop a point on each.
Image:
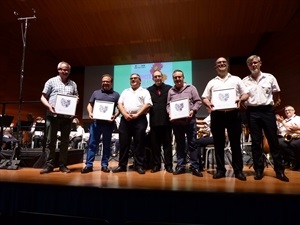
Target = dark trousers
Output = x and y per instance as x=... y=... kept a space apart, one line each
x=230 y=120
x=161 y=136
x=132 y=130
x=54 y=124
x=290 y=151
x=262 y=119
x=182 y=134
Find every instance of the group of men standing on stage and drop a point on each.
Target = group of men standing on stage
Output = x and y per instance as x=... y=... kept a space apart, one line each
x=258 y=93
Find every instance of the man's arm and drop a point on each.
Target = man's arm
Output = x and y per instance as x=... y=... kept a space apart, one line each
x=46 y=103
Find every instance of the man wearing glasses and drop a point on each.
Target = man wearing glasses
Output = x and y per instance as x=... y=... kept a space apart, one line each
x=289 y=141
x=133 y=104
x=263 y=97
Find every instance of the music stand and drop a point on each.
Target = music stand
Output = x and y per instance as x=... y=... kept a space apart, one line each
x=24 y=126
x=39 y=127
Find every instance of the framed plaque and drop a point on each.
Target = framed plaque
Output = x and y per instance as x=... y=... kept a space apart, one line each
x=103 y=110
x=224 y=99
x=65 y=104
x=179 y=108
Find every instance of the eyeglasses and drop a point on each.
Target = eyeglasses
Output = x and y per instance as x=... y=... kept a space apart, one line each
x=134 y=78
x=222 y=62
x=253 y=63
x=65 y=70
x=288 y=110
x=177 y=77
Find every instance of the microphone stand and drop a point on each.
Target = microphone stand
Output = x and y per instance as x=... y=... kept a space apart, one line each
x=24 y=35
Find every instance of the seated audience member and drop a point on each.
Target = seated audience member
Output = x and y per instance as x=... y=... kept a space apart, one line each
x=76 y=136
x=37 y=134
x=204 y=136
x=289 y=137
x=8 y=140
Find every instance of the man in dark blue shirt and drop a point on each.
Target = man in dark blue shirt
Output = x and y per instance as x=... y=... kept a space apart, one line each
x=101 y=126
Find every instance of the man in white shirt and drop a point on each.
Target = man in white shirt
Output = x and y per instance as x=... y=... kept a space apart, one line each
x=289 y=137
x=133 y=104
x=224 y=118
x=263 y=97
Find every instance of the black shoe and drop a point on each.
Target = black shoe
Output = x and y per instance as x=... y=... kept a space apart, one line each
x=179 y=171
x=258 y=175
x=47 y=169
x=295 y=167
x=64 y=169
x=155 y=169
x=197 y=173
x=87 y=169
x=169 y=169
x=240 y=175
x=119 y=169
x=219 y=174
x=281 y=176
x=105 y=169
x=140 y=170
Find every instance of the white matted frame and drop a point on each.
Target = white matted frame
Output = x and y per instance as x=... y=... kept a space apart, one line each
x=103 y=110
x=179 y=108
x=65 y=104
x=223 y=99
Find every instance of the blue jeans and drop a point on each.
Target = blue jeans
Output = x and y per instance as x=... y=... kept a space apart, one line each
x=98 y=128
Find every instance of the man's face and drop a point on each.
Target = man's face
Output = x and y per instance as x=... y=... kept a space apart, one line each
x=221 y=65
x=106 y=83
x=135 y=81
x=157 y=78
x=289 y=112
x=254 y=65
x=64 y=71
x=178 y=79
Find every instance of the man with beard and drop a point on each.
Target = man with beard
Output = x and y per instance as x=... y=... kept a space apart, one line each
x=226 y=118
x=101 y=127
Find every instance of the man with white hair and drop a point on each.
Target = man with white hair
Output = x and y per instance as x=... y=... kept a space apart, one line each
x=289 y=141
x=60 y=84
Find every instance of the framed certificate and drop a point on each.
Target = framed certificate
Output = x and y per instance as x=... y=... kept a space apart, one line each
x=65 y=104
x=179 y=108
x=103 y=110
x=224 y=99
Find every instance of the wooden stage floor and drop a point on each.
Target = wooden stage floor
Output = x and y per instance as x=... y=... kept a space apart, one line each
x=158 y=181
x=161 y=198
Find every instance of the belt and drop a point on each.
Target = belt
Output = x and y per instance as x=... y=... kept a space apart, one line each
x=226 y=110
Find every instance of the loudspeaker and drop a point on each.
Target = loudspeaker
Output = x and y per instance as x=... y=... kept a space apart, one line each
x=9 y=164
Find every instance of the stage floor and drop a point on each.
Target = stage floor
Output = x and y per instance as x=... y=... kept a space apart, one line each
x=159 y=181
x=153 y=198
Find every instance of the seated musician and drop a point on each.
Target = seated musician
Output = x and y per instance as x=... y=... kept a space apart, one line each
x=289 y=137
x=8 y=139
x=37 y=134
x=76 y=136
x=204 y=136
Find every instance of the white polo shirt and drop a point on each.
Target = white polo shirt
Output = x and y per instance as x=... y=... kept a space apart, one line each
x=134 y=100
x=261 y=91
x=230 y=81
